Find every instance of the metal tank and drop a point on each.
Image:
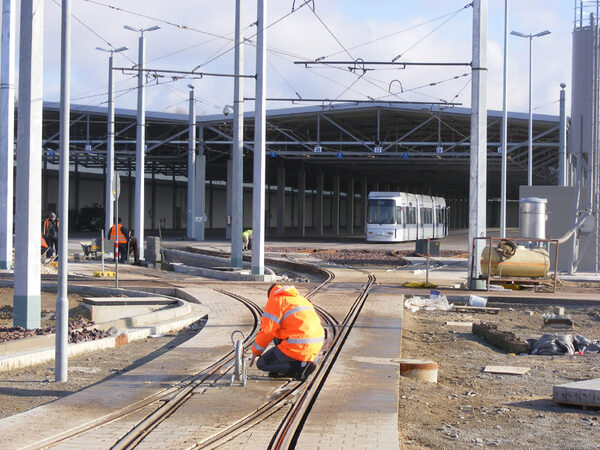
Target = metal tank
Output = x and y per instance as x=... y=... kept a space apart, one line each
x=532 y=218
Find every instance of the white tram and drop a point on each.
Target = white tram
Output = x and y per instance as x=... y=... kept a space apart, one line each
x=399 y=216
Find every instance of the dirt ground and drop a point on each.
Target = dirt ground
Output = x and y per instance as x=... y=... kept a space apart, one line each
x=48 y=306
x=469 y=408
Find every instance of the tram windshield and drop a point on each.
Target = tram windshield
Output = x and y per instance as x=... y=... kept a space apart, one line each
x=381 y=211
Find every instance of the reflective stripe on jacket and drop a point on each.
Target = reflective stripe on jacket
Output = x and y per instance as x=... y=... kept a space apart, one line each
x=121 y=237
x=291 y=318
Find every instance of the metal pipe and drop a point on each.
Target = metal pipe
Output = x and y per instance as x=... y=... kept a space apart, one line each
x=562 y=140
x=62 y=301
x=576 y=227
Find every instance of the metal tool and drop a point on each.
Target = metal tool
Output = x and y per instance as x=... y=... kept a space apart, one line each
x=239 y=372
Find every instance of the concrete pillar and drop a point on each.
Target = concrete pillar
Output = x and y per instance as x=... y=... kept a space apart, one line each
x=7 y=132
x=478 y=175
x=350 y=206
x=229 y=201
x=191 y=181
x=318 y=218
x=335 y=206
x=200 y=197
x=364 y=203
x=280 y=201
x=301 y=202
x=153 y=200
x=27 y=299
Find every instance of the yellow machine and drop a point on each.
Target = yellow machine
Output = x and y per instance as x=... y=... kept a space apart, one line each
x=511 y=260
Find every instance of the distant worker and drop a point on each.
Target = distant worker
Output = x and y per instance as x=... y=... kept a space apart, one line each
x=290 y=321
x=247 y=240
x=51 y=233
x=120 y=235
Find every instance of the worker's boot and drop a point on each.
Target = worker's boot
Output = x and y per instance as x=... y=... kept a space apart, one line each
x=310 y=368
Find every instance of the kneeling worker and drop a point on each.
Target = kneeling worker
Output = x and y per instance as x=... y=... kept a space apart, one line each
x=291 y=322
x=247 y=240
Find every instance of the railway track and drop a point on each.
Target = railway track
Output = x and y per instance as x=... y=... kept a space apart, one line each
x=293 y=399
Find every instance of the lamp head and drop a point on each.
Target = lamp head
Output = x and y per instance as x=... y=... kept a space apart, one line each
x=153 y=28
x=130 y=28
x=542 y=33
x=516 y=33
x=120 y=49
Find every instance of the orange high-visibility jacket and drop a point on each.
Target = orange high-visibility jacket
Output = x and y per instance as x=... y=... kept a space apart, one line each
x=292 y=319
x=47 y=225
x=121 y=239
x=44 y=244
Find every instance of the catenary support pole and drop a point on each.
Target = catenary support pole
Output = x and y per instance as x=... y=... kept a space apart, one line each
x=201 y=187
x=258 y=197
x=237 y=219
x=504 y=137
x=62 y=301
x=562 y=140
x=191 y=185
x=7 y=132
x=27 y=301
x=530 y=125
x=478 y=180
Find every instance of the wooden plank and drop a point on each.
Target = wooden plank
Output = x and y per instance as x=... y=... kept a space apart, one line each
x=507 y=370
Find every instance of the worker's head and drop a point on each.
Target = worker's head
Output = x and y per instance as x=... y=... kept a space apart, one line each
x=52 y=216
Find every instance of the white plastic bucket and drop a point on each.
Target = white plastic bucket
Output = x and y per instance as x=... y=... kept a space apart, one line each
x=475 y=300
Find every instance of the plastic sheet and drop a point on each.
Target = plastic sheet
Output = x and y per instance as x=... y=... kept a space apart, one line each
x=431 y=303
x=555 y=344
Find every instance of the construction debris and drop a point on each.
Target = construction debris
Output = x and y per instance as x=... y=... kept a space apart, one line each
x=506 y=370
x=558 y=321
x=555 y=344
x=474 y=309
x=505 y=340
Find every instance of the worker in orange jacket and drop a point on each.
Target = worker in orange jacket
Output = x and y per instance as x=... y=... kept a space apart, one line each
x=291 y=322
x=121 y=237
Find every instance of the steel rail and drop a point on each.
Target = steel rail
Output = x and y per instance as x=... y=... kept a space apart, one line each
x=289 y=430
x=184 y=385
x=143 y=428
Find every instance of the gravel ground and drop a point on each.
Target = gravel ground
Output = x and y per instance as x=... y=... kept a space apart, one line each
x=468 y=408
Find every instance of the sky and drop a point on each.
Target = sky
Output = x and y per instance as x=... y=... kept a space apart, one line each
x=198 y=35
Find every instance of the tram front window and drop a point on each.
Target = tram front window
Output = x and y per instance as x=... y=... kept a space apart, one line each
x=381 y=212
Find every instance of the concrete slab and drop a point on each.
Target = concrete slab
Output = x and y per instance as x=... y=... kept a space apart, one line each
x=583 y=393
x=358 y=405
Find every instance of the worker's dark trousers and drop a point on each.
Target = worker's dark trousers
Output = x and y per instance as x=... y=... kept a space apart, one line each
x=274 y=360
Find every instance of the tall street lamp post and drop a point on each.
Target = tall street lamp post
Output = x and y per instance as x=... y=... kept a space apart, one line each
x=110 y=142
x=140 y=142
x=530 y=158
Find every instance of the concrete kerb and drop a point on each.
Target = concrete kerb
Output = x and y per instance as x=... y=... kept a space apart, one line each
x=40 y=349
